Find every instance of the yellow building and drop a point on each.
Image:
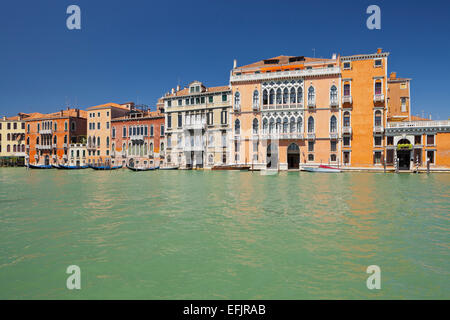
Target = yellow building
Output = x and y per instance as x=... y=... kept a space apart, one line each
x=99 y=130
x=12 y=139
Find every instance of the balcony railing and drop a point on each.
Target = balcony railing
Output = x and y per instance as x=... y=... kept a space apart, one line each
x=347 y=100
x=281 y=135
x=195 y=126
x=65 y=145
x=137 y=137
x=334 y=103
x=54 y=146
x=378 y=98
x=347 y=130
x=43 y=146
x=334 y=135
x=378 y=129
x=419 y=124
x=283 y=106
x=45 y=131
x=312 y=103
x=311 y=135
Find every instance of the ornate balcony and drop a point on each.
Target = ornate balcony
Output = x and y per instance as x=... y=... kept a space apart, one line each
x=45 y=131
x=334 y=135
x=377 y=98
x=347 y=130
x=347 y=100
x=334 y=103
x=311 y=136
x=137 y=137
x=378 y=129
x=312 y=103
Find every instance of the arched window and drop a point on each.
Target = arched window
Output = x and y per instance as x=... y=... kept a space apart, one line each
x=28 y=141
x=54 y=139
x=333 y=124
x=285 y=96
x=378 y=87
x=65 y=139
x=311 y=94
x=124 y=148
x=292 y=96
x=271 y=96
x=37 y=140
x=311 y=125
x=285 y=125
x=8 y=148
x=299 y=95
x=23 y=148
x=346 y=119
x=271 y=125
x=292 y=125
x=107 y=141
x=255 y=126
x=300 y=124
x=237 y=127
x=265 y=97
x=237 y=100
x=278 y=126
x=162 y=146
x=333 y=94
x=98 y=141
x=378 y=118
x=279 y=97
x=255 y=100
x=14 y=148
x=151 y=147
x=265 y=126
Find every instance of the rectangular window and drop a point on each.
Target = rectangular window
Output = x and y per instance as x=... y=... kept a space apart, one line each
x=187 y=102
x=378 y=86
x=210 y=99
x=346 y=141
x=113 y=132
x=180 y=120
x=146 y=131
x=347 y=89
x=403 y=100
x=98 y=114
x=311 y=146
x=378 y=141
x=377 y=157
x=203 y=100
x=390 y=141
x=107 y=125
x=169 y=103
x=169 y=120
x=130 y=131
x=347 y=66
x=346 y=157
x=310 y=157
x=333 y=145
x=378 y=63
x=430 y=156
x=418 y=140
x=223 y=117
x=151 y=131
x=430 y=140
x=162 y=130
x=124 y=131
x=180 y=102
x=224 y=97
x=403 y=85
x=98 y=126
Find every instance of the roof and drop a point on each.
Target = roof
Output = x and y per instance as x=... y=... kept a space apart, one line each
x=75 y=113
x=185 y=91
x=284 y=60
x=416 y=118
x=145 y=114
x=108 y=105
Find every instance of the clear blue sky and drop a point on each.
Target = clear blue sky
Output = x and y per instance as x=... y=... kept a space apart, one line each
x=137 y=50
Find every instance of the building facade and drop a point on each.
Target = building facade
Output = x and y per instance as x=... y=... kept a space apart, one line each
x=197 y=125
x=138 y=139
x=77 y=154
x=48 y=136
x=12 y=139
x=99 y=131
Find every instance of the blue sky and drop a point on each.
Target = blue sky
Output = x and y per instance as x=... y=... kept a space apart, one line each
x=137 y=50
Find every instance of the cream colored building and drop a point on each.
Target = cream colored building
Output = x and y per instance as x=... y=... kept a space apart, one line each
x=198 y=128
x=12 y=136
x=99 y=130
x=77 y=155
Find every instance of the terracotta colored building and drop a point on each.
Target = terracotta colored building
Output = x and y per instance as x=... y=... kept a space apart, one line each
x=48 y=136
x=12 y=139
x=345 y=111
x=138 y=139
x=99 y=130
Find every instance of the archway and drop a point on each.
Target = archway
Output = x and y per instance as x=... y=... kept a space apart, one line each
x=293 y=156
x=272 y=156
x=404 y=148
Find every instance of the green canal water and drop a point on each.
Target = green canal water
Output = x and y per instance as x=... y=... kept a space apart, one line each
x=223 y=235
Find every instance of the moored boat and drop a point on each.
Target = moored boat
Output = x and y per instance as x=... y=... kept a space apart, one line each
x=56 y=166
x=105 y=167
x=321 y=168
x=169 y=168
x=71 y=167
x=142 y=168
x=39 y=166
x=231 y=167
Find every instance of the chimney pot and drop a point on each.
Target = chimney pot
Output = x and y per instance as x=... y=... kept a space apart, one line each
x=379 y=50
x=234 y=64
x=393 y=75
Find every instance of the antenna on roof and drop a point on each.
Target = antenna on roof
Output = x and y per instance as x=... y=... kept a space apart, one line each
x=314 y=52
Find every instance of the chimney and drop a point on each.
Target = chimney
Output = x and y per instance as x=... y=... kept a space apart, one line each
x=379 y=50
x=61 y=113
x=172 y=91
x=334 y=56
x=234 y=64
x=393 y=75
x=178 y=88
x=4 y=118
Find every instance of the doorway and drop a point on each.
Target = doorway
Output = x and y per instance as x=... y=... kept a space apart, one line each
x=293 y=156
x=272 y=156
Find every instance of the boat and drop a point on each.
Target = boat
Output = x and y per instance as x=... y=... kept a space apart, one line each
x=105 y=167
x=56 y=166
x=169 y=168
x=231 y=167
x=39 y=166
x=142 y=168
x=321 y=168
x=71 y=167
